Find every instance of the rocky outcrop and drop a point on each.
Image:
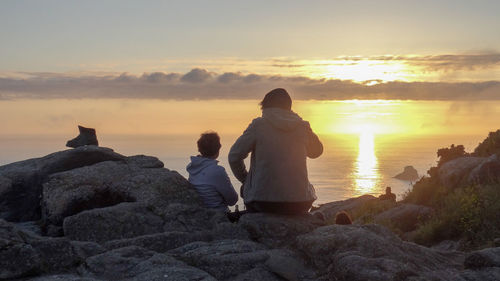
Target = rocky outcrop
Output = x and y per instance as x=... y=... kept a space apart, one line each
x=87 y=136
x=277 y=230
x=329 y=210
x=465 y=171
x=372 y=252
x=21 y=182
x=409 y=174
x=23 y=253
x=137 y=179
x=128 y=218
x=404 y=217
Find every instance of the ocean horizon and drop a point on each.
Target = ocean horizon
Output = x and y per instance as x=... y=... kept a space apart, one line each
x=351 y=165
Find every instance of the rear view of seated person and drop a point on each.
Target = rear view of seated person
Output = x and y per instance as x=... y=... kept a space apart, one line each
x=209 y=179
x=388 y=195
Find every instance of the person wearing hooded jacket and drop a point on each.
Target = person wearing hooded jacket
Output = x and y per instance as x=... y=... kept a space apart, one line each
x=279 y=143
x=208 y=178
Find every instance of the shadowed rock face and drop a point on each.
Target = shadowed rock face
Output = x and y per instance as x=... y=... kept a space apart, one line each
x=21 y=182
x=87 y=136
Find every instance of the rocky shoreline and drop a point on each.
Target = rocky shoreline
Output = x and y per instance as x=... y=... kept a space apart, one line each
x=90 y=213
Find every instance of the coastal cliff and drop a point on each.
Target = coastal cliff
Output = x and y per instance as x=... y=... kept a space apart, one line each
x=90 y=213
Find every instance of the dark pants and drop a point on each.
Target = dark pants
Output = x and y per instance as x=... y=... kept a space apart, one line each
x=282 y=208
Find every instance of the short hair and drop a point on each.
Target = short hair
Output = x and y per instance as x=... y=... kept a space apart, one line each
x=209 y=144
x=342 y=218
x=279 y=98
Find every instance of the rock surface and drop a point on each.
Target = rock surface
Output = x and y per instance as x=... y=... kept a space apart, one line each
x=128 y=218
x=329 y=210
x=21 y=182
x=409 y=174
x=405 y=217
x=455 y=173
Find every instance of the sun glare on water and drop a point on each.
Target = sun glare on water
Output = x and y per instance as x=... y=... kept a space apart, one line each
x=365 y=172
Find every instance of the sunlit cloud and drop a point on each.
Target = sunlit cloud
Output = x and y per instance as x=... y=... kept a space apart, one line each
x=203 y=84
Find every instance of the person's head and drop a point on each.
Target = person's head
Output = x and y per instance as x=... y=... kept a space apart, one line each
x=209 y=145
x=388 y=190
x=342 y=218
x=279 y=98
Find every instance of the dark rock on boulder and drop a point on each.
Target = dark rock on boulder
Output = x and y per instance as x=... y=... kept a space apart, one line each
x=87 y=136
x=329 y=210
x=489 y=257
x=21 y=182
x=137 y=179
x=372 y=252
x=409 y=174
x=496 y=242
x=405 y=217
x=277 y=230
x=223 y=259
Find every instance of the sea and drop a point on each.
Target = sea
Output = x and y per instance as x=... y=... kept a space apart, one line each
x=366 y=143
x=351 y=165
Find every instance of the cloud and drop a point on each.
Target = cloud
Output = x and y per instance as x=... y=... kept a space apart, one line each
x=196 y=75
x=202 y=84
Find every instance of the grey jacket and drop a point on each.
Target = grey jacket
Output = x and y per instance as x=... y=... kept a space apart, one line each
x=279 y=142
x=212 y=183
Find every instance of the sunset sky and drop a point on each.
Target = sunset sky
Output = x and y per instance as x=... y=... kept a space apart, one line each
x=52 y=52
x=318 y=48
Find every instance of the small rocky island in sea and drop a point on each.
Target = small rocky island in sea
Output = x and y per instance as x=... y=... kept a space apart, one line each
x=409 y=174
x=90 y=213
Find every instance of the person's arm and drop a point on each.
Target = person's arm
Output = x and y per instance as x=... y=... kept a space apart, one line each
x=314 y=145
x=240 y=150
x=224 y=186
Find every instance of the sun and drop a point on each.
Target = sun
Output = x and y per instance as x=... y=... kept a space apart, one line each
x=370 y=72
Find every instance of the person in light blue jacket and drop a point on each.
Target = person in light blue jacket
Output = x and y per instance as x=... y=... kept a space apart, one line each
x=208 y=178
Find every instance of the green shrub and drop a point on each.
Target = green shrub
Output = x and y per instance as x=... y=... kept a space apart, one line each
x=470 y=214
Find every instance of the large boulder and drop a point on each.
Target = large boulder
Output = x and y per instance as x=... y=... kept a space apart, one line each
x=25 y=254
x=489 y=257
x=405 y=217
x=161 y=242
x=277 y=230
x=21 y=182
x=128 y=220
x=136 y=263
x=372 y=252
x=455 y=173
x=329 y=210
x=224 y=259
x=488 y=172
x=137 y=179
x=470 y=171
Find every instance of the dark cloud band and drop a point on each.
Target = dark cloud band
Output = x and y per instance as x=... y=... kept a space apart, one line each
x=202 y=84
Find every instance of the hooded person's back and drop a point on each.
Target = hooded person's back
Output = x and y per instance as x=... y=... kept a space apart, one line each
x=212 y=183
x=280 y=141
